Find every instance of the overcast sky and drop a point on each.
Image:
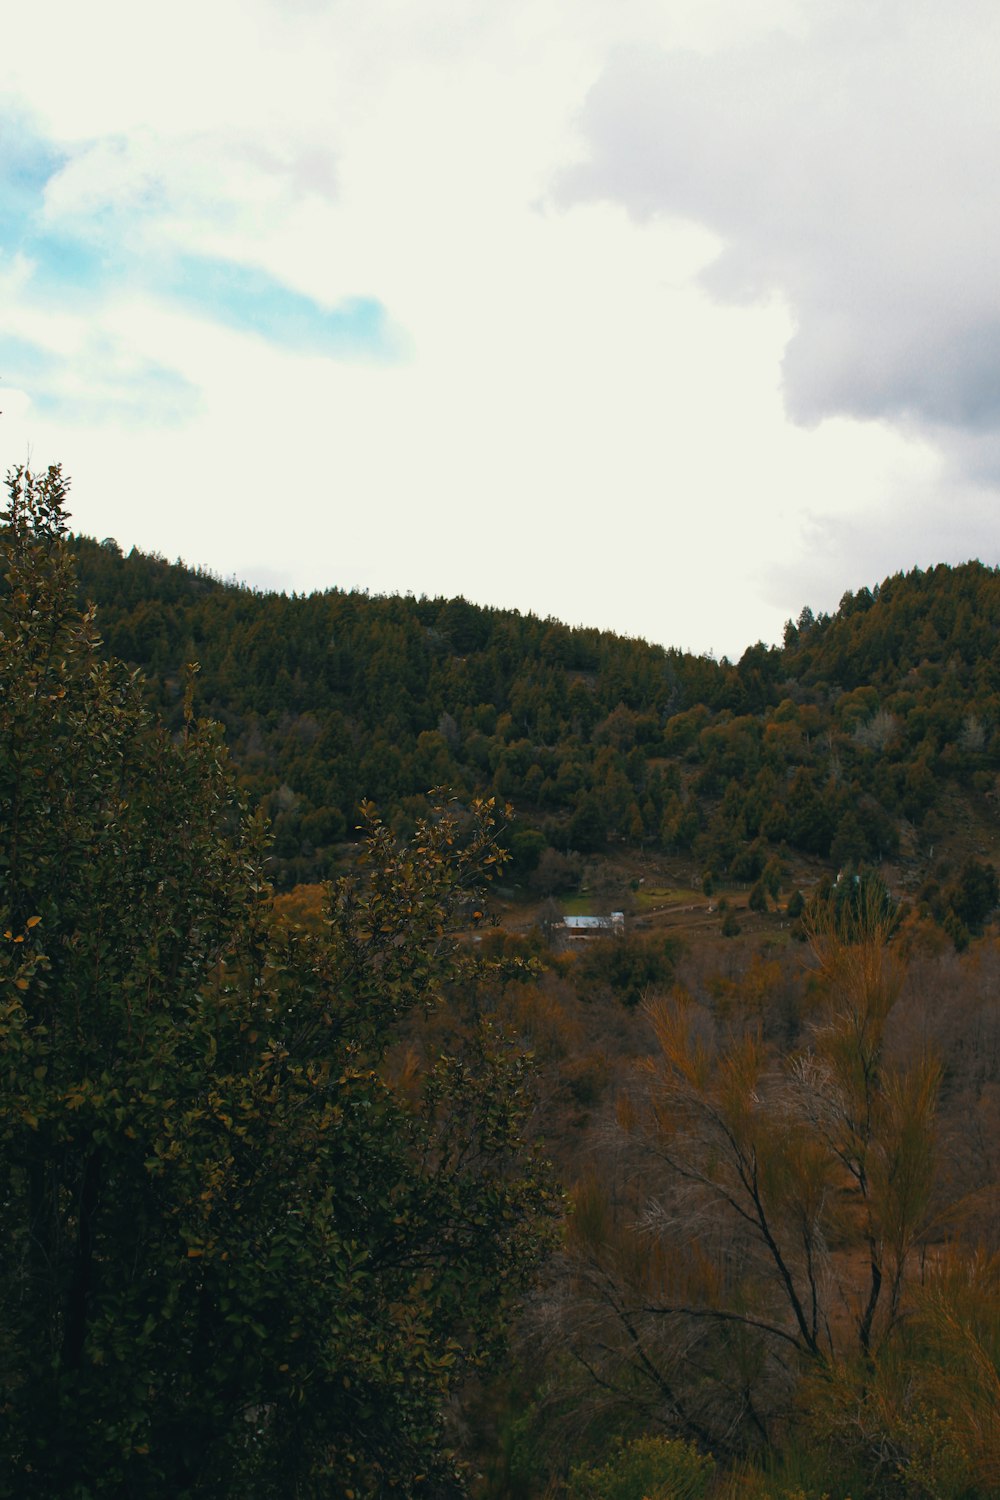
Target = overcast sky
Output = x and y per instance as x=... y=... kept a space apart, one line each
x=667 y=316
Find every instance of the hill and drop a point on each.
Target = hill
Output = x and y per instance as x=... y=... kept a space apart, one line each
x=869 y=735
x=781 y=1267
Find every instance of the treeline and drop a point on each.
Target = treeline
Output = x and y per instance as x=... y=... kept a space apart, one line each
x=839 y=744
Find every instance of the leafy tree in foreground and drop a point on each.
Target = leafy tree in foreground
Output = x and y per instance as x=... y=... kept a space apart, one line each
x=236 y=1259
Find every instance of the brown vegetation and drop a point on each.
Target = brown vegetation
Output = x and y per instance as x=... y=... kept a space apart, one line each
x=785 y=1188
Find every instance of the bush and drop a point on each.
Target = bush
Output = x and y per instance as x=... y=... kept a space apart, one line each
x=631 y=967
x=649 y=1468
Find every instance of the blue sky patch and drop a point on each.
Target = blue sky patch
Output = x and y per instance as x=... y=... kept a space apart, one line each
x=64 y=267
x=252 y=301
x=78 y=264
x=27 y=162
x=21 y=361
x=64 y=263
x=90 y=258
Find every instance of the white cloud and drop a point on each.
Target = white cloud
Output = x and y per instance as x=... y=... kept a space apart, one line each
x=581 y=427
x=848 y=168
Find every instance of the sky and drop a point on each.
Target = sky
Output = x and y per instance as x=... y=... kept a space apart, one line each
x=664 y=316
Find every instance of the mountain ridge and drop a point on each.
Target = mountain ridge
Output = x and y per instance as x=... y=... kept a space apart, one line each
x=843 y=744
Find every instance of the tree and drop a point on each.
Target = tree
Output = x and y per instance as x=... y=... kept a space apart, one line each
x=242 y=1252
x=783 y=1196
x=856 y=904
x=974 y=894
x=758 y=897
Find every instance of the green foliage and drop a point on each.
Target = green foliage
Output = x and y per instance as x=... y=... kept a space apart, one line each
x=796 y=904
x=238 y=1258
x=857 y=903
x=962 y=903
x=974 y=894
x=648 y=1468
x=588 y=828
x=526 y=847
x=863 y=720
x=631 y=967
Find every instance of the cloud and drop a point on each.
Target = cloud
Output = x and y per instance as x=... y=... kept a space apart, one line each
x=584 y=415
x=847 y=165
x=92 y=227
x=102 y=380
x=841 y=550
x=184 y=186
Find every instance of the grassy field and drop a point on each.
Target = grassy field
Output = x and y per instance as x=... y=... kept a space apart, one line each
x=651 y=897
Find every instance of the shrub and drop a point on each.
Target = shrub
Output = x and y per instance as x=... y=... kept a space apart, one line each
x=649 y=1468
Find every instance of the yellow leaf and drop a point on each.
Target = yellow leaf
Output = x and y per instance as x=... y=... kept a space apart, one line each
x=32 y=921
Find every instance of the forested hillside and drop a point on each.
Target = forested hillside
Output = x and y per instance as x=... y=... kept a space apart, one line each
x=283 y=1176
x=844 y=744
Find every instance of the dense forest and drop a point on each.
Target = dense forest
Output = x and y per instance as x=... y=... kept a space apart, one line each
x=844 y=744
x=340 y=1189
